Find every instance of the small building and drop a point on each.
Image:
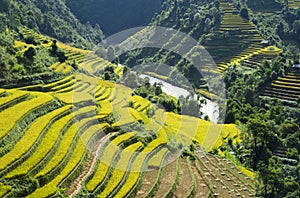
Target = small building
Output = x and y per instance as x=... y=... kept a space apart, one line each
x=265 y=43
x=296 y=66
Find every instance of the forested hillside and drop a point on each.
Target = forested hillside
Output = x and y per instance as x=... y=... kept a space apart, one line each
x=115 y=15
x=52 y=17
x=196 y=19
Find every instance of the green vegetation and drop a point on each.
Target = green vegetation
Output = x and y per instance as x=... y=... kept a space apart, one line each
x=75 y=124
x=263 y=147
x=51 y=18
x=55 y=158
x=285 y=34
x=264 y=5
x=21 y=59
x=197 y=20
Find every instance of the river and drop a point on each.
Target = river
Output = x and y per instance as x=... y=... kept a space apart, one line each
x=211 y=109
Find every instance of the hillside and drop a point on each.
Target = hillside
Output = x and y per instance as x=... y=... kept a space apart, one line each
x=53 y=18
x=114 y=15
x=75 y=123
x=110 y=122
x=200 y=18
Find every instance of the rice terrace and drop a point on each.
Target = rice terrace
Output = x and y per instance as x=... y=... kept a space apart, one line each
x=86 y=112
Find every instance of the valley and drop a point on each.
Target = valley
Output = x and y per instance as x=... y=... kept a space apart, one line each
x=213 y=111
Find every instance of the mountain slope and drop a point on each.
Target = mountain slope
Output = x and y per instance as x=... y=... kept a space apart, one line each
x=82 y=130
x=115 y=15
x=51 y=17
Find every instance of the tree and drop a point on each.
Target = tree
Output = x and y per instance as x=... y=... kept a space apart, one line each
x=109 y=69
x=7 y=41
x=31 y=40
x=55 y=51
x=168 y=104
x=291 y=187
x=158 y=89
x=131 y=80
x=230 y=117
x=54 y=47
x=147 y=83
x=74 y=64
x=42 y=60
x=244 y=13
x=189 y=106
x=259 y=133
x=272 y=177
x=288 y=128
x=61 y=56
x=293 y=141
x=100 y=51
x=30 y=53
x=107 y=76
x=6 y=63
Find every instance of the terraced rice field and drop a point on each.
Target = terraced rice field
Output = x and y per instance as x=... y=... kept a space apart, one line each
x=293 y=3
x=80 y=136
x=55 y=147
x=204 y=176
x=94 y=64
x=286 y=87
x=4 y=189
x=223 y=178
x=85 y=59
x=139 y=103
x=234 y=41
x=242 y=39
x=46 y=41
x=257 y=58
x=63 y=68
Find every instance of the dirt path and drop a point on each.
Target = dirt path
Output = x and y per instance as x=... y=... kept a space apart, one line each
x=76 y=186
